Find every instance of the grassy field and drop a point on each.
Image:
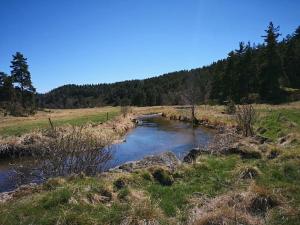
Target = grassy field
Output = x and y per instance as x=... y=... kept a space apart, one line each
x=15 y=126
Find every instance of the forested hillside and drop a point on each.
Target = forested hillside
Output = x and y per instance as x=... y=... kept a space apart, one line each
x=253 y=73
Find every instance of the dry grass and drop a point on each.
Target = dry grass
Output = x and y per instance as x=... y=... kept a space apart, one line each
x=213 y=114
x=19 y=125
x=106 y=133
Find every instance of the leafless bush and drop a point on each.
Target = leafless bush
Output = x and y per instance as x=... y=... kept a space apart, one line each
x=75 y=151
x=245 y=118
x=221 y=142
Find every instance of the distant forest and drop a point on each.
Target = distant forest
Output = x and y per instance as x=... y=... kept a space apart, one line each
x=267 y=72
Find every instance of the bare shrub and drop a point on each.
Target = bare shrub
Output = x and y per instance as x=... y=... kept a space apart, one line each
x=75 y=151
x=245 y=118
x=222 y=142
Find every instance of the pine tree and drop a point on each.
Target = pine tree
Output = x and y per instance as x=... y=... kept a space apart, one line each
x=292 y=60
x=271 y=70
x=7 y=92
x=21 y=76
x=3 y=77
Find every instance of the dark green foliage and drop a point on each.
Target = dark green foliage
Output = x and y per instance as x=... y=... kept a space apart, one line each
x=292 y=59
x=271 y=70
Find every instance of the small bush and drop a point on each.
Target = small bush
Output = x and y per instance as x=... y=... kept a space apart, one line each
x=163 y=176
x=230 y=107
x=123 y=193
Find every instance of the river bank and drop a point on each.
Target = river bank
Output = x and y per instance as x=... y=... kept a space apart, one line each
x=24 y=145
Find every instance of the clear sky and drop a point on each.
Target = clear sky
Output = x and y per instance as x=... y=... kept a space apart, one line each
x=97 y=41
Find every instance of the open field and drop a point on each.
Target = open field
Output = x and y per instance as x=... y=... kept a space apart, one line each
x=20 y=125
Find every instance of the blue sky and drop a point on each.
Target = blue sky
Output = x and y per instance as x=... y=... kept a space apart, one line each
x=97 y=41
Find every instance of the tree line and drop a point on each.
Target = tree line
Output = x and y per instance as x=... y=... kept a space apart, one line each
x=266 y=72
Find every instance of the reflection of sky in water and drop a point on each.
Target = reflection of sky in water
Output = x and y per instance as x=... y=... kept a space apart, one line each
x=154 y=136
x=157 y=135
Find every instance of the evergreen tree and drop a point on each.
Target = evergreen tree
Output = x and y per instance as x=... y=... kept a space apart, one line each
x=21 y=76
x=3 y=77
x=292 y=60
x=271 y=70
x=7 y=91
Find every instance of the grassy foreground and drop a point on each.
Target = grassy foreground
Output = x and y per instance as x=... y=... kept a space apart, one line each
x=15 y=126
x=216 y=189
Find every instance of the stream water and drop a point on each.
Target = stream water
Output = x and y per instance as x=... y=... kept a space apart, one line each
x=153 y=135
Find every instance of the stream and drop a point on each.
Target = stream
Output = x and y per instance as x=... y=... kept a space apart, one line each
x=153 y=135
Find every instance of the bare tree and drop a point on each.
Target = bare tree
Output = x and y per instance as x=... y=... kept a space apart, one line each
x=192 y=95
x=245 y=117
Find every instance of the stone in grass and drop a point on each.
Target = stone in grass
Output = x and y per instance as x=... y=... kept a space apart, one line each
x=193 y=154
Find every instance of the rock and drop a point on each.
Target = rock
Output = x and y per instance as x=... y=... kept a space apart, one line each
x=167 y=159
x=193 y=154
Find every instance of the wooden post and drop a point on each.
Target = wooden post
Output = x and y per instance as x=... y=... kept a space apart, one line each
x=51 y=124
x=107 y=116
